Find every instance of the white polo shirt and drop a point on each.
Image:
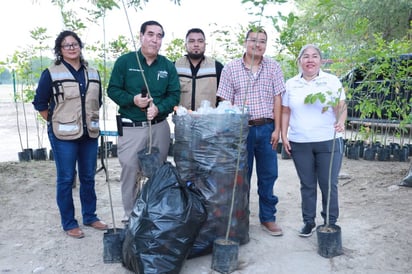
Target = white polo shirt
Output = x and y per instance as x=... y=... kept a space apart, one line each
x=307 y=121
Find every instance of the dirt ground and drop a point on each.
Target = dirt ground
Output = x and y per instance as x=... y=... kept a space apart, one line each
x=375 y=220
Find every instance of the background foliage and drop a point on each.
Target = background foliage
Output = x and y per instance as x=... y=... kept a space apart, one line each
x=348 y=32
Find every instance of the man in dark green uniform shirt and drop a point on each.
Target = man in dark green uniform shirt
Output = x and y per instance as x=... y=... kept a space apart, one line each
x=137 y=110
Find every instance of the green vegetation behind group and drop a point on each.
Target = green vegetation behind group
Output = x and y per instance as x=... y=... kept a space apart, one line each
x=348 y=32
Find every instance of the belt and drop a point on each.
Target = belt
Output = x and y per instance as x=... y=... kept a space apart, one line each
x=141 y=124
x=260 y=121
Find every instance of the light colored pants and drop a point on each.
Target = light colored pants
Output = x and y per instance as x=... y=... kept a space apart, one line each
x=135 y=139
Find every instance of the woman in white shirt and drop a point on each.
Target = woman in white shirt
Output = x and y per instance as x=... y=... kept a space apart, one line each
x=308 y=131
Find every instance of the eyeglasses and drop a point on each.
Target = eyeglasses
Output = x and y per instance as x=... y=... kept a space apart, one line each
x=254 y=41
x=71 y=46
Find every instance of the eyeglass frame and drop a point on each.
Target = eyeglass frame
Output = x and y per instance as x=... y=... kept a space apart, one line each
x=70 y=46
x=255 y=41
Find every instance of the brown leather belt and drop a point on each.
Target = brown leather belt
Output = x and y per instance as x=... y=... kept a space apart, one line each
x=141 y=124
x=260 y=121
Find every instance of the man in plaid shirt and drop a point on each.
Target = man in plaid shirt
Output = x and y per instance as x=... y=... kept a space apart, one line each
x=256 y=82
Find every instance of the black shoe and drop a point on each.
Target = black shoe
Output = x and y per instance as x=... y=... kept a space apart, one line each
x=307 y=230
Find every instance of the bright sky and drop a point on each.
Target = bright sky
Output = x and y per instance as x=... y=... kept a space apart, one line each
x=19 y=17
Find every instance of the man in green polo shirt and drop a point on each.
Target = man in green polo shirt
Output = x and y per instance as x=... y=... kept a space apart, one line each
x=127 y=89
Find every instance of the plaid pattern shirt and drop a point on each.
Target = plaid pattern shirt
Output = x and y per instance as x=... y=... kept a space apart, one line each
x=254 y=90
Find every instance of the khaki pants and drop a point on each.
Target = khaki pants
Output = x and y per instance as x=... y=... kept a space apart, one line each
x=135 y=139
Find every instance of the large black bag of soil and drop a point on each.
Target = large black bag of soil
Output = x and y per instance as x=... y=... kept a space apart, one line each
x=165 y=221
x=206 y=152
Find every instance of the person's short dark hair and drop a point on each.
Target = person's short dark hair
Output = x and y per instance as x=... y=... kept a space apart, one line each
x=58 y=44
x=258 y=30
x=151 y=23
x=195 y=30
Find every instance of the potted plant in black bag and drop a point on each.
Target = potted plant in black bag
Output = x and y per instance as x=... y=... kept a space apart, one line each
x=25 y=154
x=39 y=36
x=329 y=235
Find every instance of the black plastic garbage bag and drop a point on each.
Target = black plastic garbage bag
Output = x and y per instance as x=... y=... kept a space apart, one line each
x=165 y=222
x=206 y=151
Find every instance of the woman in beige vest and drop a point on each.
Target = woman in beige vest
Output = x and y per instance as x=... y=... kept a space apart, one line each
x=68 y=97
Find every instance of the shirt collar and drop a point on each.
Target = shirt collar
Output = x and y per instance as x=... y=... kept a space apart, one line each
x=262 y=61
x=143 y=58
x=321 y=74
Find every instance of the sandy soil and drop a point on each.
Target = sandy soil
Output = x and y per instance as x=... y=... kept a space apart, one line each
x=375 y=221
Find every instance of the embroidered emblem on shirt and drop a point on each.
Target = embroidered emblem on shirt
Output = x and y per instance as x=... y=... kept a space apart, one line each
x=321 y=83
x=161 y=74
